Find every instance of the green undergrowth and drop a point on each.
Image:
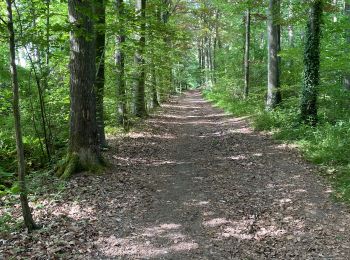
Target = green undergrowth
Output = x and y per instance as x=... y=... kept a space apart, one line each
x=42 y=186
x=327 y=144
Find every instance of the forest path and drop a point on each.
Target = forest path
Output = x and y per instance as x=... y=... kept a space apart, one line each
x=218 y=190
x=191 y=183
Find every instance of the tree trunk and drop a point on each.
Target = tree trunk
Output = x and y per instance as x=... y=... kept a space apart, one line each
x=246 y=54
x=290 y=33
x=84 y=150
x=203 y=59
x=346 y=79
x=273 y=89
x=140 y=76
x=207 y=60
x=199 y=60
x=41 y=80
x=47 y=70
x=100 y=75
x=120 y=64
x=211 y=60
x=155 y=102
x=217 y=45
x=26 y=212
x=166 y=5
x=311 y=65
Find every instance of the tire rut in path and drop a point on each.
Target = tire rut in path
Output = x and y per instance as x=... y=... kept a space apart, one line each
x=221 y=191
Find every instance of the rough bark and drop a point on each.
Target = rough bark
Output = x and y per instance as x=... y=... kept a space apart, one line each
x=26 y=212
x=100 y=75
x=120 y=64
x=246 y=54
x=140 y=75
x=273 y=89
x=311 y=65
x=84 y=150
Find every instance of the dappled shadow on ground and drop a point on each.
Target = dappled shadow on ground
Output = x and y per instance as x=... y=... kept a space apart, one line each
x=195 y=183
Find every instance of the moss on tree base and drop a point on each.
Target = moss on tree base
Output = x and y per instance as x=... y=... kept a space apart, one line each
x=75 y=163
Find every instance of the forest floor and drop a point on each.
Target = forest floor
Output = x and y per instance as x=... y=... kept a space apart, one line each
x=193 y=183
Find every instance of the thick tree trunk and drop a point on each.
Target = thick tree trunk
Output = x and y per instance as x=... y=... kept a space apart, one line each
x=273 y=89
x=26 y=212
x=120 y=64
x=311 y=65
x=84 y=150
x=140 y=75
x=246 y=54
x=100 y=75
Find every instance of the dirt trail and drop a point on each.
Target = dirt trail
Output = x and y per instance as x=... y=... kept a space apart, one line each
x=221 y=191
x=193 y=183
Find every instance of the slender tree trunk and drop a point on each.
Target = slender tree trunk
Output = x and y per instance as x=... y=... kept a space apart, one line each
x=26 y=212
x=140 y=76
x=335 y=18
x=41 y=81
x=217 y=44
x=47 y=72
x=120 y=64
x=100 y=63
x=37 y=132
x=273 y=89
x=155 y=102
x=246 y=54
x=84 y=150
x=290 y=33
x=200 y=62
x=204 y=61
x=211 y=60
x=279 y=97
x=291 y=36
x=166 y=5
x=43 y=113
x=346 y=79
x=154 y=81
x=311 y=65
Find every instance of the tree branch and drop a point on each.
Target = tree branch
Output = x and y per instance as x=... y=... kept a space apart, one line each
x=2 y=20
